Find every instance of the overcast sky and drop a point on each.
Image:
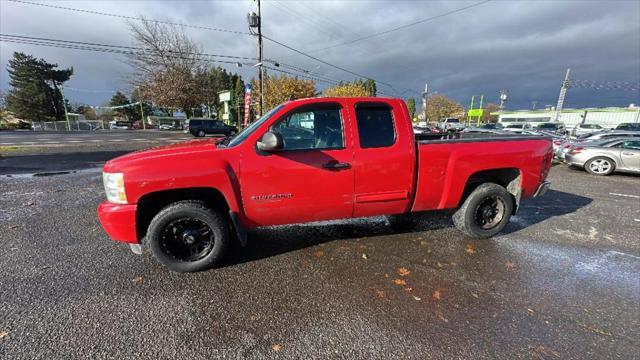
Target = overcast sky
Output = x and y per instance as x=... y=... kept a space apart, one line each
x=522 y=46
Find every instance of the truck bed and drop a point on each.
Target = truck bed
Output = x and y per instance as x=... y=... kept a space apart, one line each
x=446 y=163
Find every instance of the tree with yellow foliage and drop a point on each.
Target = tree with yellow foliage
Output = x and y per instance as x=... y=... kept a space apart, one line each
x=440 y=106
x=346 y=90
x=279 y=89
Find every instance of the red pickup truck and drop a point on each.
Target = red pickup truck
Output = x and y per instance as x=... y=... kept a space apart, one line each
x=309 y=160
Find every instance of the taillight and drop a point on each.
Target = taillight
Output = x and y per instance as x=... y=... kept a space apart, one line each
x=546 y=165
x=575 y=150
x=558 y=142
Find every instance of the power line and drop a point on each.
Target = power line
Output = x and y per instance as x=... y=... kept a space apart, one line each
x=403 y=26
x=91 y=44
x=106 y=50
x=129 y=50
x=129 y=17
x=207 y=28
x=329 y=64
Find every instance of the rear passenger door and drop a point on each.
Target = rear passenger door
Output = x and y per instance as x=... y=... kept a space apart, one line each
x=384 y=158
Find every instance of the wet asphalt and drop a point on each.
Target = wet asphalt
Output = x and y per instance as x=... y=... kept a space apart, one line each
x=561 y=282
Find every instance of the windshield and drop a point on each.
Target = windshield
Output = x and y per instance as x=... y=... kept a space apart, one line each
x=516 y=126
x=242 y=135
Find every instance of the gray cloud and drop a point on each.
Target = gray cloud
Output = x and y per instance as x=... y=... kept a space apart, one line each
x=522 y=46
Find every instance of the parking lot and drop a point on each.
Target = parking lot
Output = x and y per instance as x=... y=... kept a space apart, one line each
x=560 y=282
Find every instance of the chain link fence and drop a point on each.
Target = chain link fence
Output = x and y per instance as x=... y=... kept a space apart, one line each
x=72 y=125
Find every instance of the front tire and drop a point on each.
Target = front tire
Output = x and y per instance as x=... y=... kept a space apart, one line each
x=600 y=165
x=485 y=212
x=187 y=236
x=201 y=133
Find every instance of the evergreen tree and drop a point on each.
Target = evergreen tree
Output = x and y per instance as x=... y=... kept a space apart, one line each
x=370 y=86
x=35 y=88
x=411 y=106
x=119 y=99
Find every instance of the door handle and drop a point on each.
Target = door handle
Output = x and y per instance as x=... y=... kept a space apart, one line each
x=627 y=153
x=334 y=165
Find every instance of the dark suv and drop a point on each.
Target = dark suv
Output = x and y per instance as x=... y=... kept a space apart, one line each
x=202 y=127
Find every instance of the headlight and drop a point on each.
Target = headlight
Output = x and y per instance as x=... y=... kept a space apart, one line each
x=114 y=187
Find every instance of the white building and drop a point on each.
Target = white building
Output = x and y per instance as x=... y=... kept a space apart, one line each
x=605 y=117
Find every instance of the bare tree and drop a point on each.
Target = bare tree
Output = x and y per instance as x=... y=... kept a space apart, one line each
x=169 y=71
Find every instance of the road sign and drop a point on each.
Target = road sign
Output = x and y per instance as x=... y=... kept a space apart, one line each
x=475 y=112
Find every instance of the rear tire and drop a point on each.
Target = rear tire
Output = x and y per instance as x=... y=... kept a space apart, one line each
x=187 y=236
x=600 y=165
x=485 y=212
x=201 y=133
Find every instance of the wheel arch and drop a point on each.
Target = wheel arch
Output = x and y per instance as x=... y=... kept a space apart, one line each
x=509 y=178
x=150 y=204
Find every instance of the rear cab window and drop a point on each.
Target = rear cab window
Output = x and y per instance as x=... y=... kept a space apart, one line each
x=376 y=127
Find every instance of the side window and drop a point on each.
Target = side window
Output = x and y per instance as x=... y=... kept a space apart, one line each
x=312 y=128
x=631 y=144
x=375 y=125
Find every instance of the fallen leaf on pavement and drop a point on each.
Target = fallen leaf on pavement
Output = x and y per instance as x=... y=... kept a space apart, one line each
x=400 y=282
x=436 y=295
x=3 y=334
x=423 y=243
x=13 y=226
x=318 y=253
x=548 y=352
x=380 y=293
x=364 y=256
x=596 y=330
x=137 y=280
x=403 y=271
x=441 y=317
x=530 y=311
x=408 y=289
x=276 y=347
x=510 y=264
x=416 y=298
x=470 y=249
x=439 y=264
x=30 y=203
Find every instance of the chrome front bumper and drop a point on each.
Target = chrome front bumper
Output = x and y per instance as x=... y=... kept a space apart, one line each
x=542 y=189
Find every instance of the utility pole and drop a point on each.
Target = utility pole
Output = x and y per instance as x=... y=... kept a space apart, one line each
x=424 y=101
x=144 y=126
x=64 y=104
x=563 y=93
x=255 y=21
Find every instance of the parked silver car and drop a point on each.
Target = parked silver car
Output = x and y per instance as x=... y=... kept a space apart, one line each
x=603 y=158
x=608 y=135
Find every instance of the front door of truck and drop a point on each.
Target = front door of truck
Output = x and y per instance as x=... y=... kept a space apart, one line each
x=310 y=179
x=384 y=159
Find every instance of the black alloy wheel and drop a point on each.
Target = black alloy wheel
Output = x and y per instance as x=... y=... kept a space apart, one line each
x=187 y=239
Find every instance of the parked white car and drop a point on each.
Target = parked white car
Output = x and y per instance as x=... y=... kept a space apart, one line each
x=451 y=124
x=517 y=128
x=583 y=129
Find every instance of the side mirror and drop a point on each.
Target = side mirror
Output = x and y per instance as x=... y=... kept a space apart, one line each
x=271 y=141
